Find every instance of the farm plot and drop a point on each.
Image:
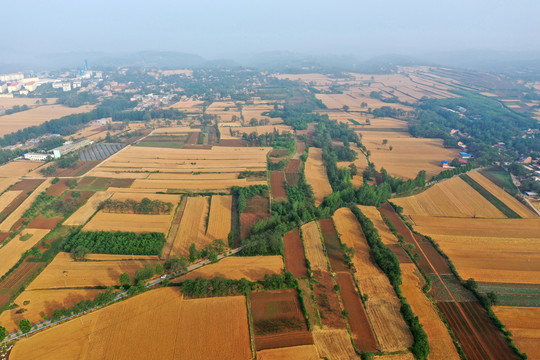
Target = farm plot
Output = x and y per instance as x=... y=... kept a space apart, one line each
x=7 y=197
x=64 y=272
x=6 y=182
x=313 y=247
x=37 y=116
x=277 y=182
x=502 y=195
x=42 y=223
x=383 y=305
x=159 y=322
x=316 y=176
x=387 y=237
x=129 y=222
x=17 y=213
x=334 y=344
x=164 y=141
x=256 y=209
x=327 y=301
x=524 y=323
x=453 y=198
x=440 y=343
x=82 y=214
x=302 y=352
x=252 y=268
x=277 y=320
x=332 y=246
x=11 y=252
x=192 y=226
x=34 y=305
x=513 y=294
x=219 y=219
x=295 y=259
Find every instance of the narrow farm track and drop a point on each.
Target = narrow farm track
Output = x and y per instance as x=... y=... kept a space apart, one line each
x=484 y=350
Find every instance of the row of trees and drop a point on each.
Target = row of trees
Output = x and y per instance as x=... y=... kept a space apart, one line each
x=129 y=206
x=119 y=242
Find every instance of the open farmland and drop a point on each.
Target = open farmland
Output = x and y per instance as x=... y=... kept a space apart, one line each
x=219 y=218
x=7 y=102
x=524 y=323
x=137 y=223
x=14 y=169
x=327 y=301
x=334 y=344
x=192 y=227
x=16 y=214
x=64 y=272
x=301 y=352
x=158 y=324
x=34 y=305
x=82 y=214
x=7 y=197
x=11 y=252
x=295 y=258
x=277 y=182
x=313 y=246
x=253 y=268
x=383 y=305
x=376 y=218
x=256 y=209
x=440 y=343
x=453 y=198
x=316 y=175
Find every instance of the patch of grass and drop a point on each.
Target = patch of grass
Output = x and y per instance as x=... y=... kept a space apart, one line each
x=500 y=178
x=511 y=214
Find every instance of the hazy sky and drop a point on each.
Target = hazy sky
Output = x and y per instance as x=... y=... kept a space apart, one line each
x=227 y=28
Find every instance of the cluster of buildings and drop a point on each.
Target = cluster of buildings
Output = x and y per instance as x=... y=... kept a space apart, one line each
x=56 y=153
x=152 y=101
x=18 y=83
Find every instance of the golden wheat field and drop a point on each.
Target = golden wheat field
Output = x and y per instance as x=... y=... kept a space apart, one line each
x=25 y=205
x=82 y=214
x=383 y=305
x=219 y=218
x=334 y=344
x=524 y=323
x=440 y=343
x=452 y=197
x=64 y=272
x=36 y=116
x=14 y=169
x=36 y=304
x=138 y=223
x=253 y=268
x=7 y=182
x=316 y=176
x=158 y=324
x=302 y=352
x=7 y=103
x=11 y=252
x=192 y=226
x=502 y=195
x=313 y=246
x=7 y=197
x=376 y=218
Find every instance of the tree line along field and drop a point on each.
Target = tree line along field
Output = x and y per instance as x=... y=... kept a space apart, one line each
x=316 y=176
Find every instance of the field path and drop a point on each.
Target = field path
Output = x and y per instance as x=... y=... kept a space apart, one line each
x=166 y=252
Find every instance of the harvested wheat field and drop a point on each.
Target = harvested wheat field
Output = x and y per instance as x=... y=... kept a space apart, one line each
x=406 y=356
x=14 y=169
x=409 y=155
x=313 y=246
x=12 y=251
x=7 y=103
x=40 y=303
x=129 y=222
x=440 y=343
x=82 y=214
x=155 y=325
x=387 y=237
x=219 y=218
x=253 y=268
x=192 y=226
x=502 y=195
x=453 y=198
x=7 y=197
x=64 y=272
x=12 y=123
x=6 y=182
x=25 y=205
x=383 y=305
x=316 y=176
x=302 y=352
x=334 y=344
x=524 y=323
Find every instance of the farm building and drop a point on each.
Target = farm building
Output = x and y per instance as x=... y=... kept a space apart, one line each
x=37 y=156
x=464 y=155
x=445 y=164
x=72 y=146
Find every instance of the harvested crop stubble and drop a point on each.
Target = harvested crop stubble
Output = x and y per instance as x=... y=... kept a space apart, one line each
x=524 y=323
x=64 y=272
x=13 y=250
x=158 y=325
x=192 y=226
x=303 y=352
x=334 y=344
x=440 y=343
x=383 y=306
x=452 y=197
x=6 y=182
x=253 y=268
x=40 y=303
x=129 y=222
x=313 y=246
x=7 y=197
x=82 y=214
x=18 y=213
x=219 y=218
x=508 y=199
x=316 y=176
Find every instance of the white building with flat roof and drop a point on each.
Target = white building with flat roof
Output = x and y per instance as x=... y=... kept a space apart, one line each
x=37 y=156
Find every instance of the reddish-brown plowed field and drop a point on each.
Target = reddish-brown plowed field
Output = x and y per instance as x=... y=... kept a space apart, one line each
x=495 y=346
x=41 y=223
x=277 y=181
x=20 y=273
x=232 y=142
x=300 y=147
x=295 y=258
x=328 y=301
x=193 y=138
x=58 y=188
x=13 y=205
x=122 y=183
x=27 y=185
x=333 y=247
x=3 y=236
x=4 y=299
x=400 y=253
x=278 y=320
x=436 y=259
x=292 y=178
x=18 y=224
x=363 y=336
x=256 y=209
x=85 y=195
x=293 y=166
x=80 y=168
